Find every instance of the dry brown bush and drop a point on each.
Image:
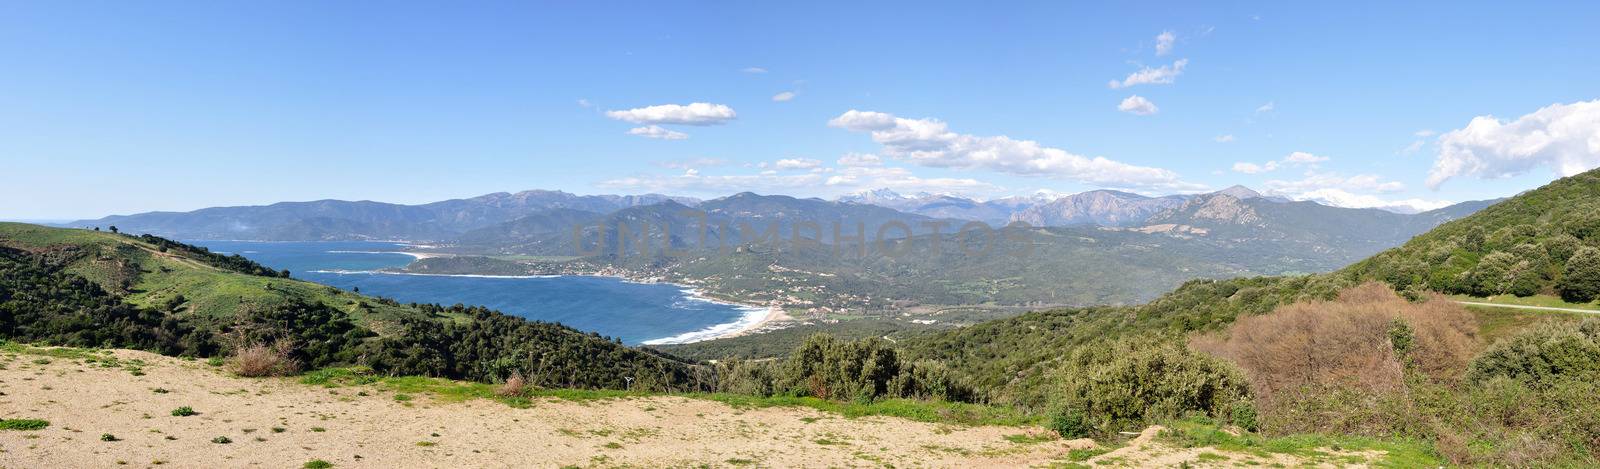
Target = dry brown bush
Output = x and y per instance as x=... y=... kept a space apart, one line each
x=1347 y=341
x=257 y=360
x=514 y=386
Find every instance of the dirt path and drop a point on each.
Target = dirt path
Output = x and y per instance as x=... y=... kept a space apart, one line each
x=282 y=423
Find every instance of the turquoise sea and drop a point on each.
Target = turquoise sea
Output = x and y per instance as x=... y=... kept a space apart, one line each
x=633 y=312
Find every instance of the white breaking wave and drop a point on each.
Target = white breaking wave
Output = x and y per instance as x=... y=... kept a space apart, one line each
x=381 y=272
x=751 y=316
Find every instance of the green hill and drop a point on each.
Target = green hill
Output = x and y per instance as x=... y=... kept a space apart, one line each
x=1542 y=241
x=99 y=289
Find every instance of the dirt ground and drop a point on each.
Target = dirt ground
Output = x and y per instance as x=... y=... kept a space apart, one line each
x=282 y=423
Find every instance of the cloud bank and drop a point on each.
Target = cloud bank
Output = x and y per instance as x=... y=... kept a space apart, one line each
x=929 y=142
x=1562 y=137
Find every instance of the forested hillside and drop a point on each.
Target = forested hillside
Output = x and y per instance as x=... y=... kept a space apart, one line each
x=1546 y=240
x=97 y=289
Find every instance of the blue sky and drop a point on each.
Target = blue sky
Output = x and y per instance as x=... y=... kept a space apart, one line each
x=114 y=107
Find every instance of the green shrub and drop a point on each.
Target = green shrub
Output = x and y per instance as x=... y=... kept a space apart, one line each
x=184 y=411
x=1244 y=415
x=1069 y=423
x=317 y=464
x=1580 y=282
x=1542 y=354
x=222 y=440
x=108 y=437
x=1129 y=383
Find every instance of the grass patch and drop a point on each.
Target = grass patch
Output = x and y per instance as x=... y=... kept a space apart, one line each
x=1085 y=454
x=184 y=411
x=23 y=424
x=317 y=464
x=1028 y=439
x=1199 y=432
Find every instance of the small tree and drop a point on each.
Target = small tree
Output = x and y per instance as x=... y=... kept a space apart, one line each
x=113 y=228
x=1580 y=282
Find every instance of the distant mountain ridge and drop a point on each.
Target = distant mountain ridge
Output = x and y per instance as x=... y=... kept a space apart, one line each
x=327 y=220
x=534 y=218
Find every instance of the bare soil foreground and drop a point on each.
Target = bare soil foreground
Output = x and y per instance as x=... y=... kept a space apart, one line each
x=124 y=409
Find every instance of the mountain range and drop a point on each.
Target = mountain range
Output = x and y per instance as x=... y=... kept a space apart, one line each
x=499 y=218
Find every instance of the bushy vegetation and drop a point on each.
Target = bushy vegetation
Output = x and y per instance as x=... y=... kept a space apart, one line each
x=1543 y=355
x=1527 y=245
x=1123 y=384
x=41 y=303
x=44 y=300
x=1011 y=361
x=829 y=368
x=1373 y=364
x=236 y=263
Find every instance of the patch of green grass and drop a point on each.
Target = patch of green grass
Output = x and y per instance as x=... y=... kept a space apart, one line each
x=222 y=440
x=109 y=437
x=184 y=411
x=1086 y=454
x=1028 y=439
x=909 y=409
x=23 y=424
x=1211 y=457
x=426 y=444
x=1547 y=301
x=613 y=445
x=1194 y=433
x=739 y=462
x=317 y=464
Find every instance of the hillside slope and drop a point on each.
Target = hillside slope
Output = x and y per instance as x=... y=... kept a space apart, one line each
x=98 y=289
x=1523 y=245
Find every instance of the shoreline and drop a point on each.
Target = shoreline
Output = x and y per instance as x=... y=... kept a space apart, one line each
x=753 y=316
x=416 y=255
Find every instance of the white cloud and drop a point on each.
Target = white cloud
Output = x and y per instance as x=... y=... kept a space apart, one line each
x=1227 y=138
x=784 y=96
x=584 y=103
x=901 y=179
x=797 y=163
x=691 y=114
x=692 y=180
x=1315 y=181
x=754 y=70
x=929 y=142
x=814 y=182
x=860 y=159
x=1164 y=42
x=1562 y=137
x=1163 y=75
x=1424 y=133
x=1304 y=158
x=1415 y=146
x=1298 y=158
x=1341 y=198
x=655 y=131
x=1359 y=191
x=1252 y=168
x=692 y=163
x=1268 y=107
x=1137 y=105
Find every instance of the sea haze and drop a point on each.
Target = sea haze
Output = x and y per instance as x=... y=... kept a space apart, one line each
x=633 y=312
